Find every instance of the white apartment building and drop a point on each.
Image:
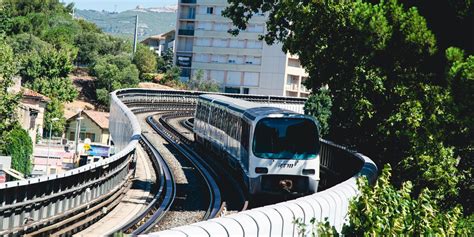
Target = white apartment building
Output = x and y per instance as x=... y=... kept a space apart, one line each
x=240 y=64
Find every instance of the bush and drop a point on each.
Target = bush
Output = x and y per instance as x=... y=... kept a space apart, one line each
x=319 y=105
x=387 y=211
x=198 y=83
x=20 y=148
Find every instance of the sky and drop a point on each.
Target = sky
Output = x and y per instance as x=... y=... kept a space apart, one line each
x=119 y=5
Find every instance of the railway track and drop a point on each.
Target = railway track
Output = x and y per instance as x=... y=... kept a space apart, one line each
x=235 y=197
x=162 y=201
x=216 y=206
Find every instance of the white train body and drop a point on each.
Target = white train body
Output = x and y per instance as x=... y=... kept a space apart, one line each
x=275 y=150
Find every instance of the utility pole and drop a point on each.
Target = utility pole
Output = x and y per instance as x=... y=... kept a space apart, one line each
x=135 y=39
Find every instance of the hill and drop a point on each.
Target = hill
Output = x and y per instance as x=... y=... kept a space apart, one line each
x=151 y=21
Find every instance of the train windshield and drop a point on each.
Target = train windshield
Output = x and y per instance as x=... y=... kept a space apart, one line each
x=286 y=138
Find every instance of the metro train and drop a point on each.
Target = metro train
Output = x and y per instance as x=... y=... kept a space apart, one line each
x=275 y=150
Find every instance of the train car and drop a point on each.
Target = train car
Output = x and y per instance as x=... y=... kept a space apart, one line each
x=275 y=150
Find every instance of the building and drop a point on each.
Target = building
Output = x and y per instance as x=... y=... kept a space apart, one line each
x=30 y=110
x=242 y=64
x=160 y=43
x=93 y=125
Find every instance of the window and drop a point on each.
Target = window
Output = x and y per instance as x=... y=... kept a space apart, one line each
x=254 y=44
x=251 y=78
x=286 y=138
x=293 y=62
x=233 y=78
x=222 y=43
x=33 y=115
x=218 y=58
x=202 y=58
x=221 y=26
x=210 y=10
x=246 y=91
x=234 y=90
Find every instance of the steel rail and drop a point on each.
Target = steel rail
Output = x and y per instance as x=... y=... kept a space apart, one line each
x=210 y=162
x=166 y=194
x=215 y=206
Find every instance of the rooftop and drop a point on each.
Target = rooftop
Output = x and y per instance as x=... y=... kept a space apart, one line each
x=35 y=95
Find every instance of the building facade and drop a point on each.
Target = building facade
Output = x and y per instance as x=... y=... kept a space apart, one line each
x=240 y=64
x=160 y=43
x=93 y=125
x=31 y=109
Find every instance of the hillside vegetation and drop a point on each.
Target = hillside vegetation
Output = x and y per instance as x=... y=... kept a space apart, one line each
x=122 y=24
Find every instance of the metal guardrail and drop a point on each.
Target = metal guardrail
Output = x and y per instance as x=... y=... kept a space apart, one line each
x=32 y=204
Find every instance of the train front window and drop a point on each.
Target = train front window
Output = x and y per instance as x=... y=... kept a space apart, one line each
x=286 y=138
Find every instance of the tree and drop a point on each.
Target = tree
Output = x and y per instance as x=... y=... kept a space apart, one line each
x=165 y=62
x=319 y=105
x=460 y=74
x=198 y=83
x=113 y=73
x=46 y=64
x=54 y=109
x=8 y=101
x=377 y=61
x=92 y=45
x=145 y=60
x=172 y=74
x=27 y=43
x=391 y=98
x=20 y=147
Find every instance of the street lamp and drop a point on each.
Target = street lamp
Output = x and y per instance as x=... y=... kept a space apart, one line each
x=78 y=131
x=49 y=142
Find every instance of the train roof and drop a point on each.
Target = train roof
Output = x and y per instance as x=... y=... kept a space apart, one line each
x=249 y=109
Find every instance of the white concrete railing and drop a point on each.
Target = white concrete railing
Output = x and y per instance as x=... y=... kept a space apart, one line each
x=278 y=219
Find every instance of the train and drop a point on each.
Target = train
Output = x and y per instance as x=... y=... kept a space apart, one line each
x=273 y=149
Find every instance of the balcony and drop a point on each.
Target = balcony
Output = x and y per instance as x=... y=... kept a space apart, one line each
x=186 y=32
x=291 y=87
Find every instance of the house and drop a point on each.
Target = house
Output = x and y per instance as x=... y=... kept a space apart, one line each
x=93 y=125
x=30 y=110
x=160 y=43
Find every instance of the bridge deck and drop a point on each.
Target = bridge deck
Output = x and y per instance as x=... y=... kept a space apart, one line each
x=134 y=201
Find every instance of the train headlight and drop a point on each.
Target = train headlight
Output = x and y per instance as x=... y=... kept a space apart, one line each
x=309 y=172
x=261 y=170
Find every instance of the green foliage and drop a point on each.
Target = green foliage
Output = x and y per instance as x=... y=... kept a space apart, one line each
x=165 y=62
x=27 y=43
x=319 y=105
x=8 y=101
x=386 y=210
x=46 y=64
x=145 y=60
x=92 y=45
x=20 y=148
x=460 y=74
x=61 y=30
x=315 y=228
x=46 y=72
x=113 y=73
x=390 y=99
x=172 y=74
x=198 y=83
x=61 y=89
x=54 y=109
